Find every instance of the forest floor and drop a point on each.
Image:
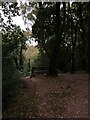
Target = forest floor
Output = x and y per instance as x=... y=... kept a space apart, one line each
x=65 y=96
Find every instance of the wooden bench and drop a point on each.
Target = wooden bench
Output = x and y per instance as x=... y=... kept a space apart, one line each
x=38 y=70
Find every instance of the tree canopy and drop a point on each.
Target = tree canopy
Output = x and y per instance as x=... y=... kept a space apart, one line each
x=60 y=28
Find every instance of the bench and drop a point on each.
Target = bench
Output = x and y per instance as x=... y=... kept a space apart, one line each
x=38 y=70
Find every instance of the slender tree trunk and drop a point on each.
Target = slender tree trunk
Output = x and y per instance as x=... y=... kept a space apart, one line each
x=29 y=65
x=72 y=39
x=73 y=60
x=88 y=48
x=16 y=62
x=21 y=59
x=73 y=48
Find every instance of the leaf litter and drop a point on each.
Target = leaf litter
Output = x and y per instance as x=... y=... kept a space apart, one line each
x=65 y=96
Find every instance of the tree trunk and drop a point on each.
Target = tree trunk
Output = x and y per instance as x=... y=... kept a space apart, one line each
x=16 y=62
x=58 y=32
x=88 y=40
x=54 y=54
x=20 y=59
x=29 y=65
x=74 y=39
x=73 y=60
x=52 y=66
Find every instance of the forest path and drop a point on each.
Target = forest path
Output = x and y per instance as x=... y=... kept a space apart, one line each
x=65 y=96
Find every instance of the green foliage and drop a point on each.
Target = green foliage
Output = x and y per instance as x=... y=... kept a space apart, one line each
x=12 y=40
x=31 y=53
x=10 y=85
x=13 y=44
x=10 y=9
x=72 y=38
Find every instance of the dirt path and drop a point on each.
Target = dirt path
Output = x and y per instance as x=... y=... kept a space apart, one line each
x=65 y=96
x=78 y=105
x=41 y=91
x=75 y=106
x=42 y=100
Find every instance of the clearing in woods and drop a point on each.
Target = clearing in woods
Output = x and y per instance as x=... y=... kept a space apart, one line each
x=65 y=96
